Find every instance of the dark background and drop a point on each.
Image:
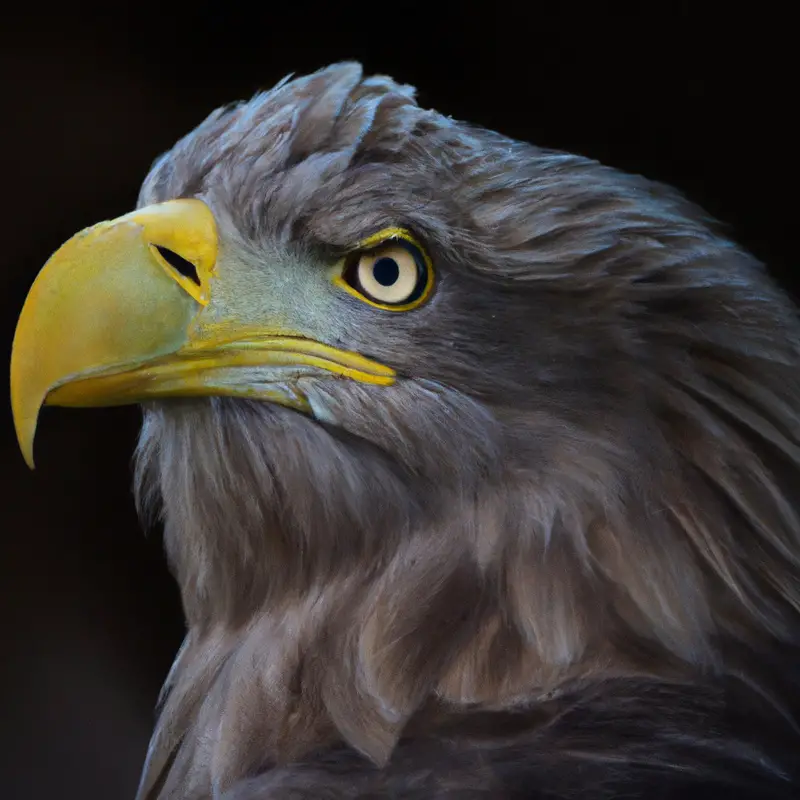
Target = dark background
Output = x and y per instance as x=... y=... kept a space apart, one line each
x=684 y=93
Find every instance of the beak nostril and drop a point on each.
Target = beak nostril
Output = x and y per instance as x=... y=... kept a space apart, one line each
x=179 y=263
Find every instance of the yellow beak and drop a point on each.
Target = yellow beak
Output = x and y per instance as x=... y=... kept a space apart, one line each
x=111 y=320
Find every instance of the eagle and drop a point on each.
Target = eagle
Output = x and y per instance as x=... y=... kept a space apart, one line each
x=476 y=461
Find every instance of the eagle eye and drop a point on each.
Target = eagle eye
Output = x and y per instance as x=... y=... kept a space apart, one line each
x=390 y=270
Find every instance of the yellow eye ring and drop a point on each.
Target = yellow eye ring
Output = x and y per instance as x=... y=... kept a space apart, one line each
x=389 y=270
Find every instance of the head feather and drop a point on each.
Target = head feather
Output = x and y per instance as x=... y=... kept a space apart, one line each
x=587 y=468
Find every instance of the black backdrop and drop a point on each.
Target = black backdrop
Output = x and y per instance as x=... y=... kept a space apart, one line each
x=90 y=617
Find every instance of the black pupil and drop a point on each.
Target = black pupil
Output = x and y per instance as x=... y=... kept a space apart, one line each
x=386 y=271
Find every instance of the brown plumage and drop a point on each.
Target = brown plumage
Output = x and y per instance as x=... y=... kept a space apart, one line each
x=557 y=558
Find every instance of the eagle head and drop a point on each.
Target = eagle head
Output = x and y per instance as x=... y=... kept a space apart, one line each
x=434 y=419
